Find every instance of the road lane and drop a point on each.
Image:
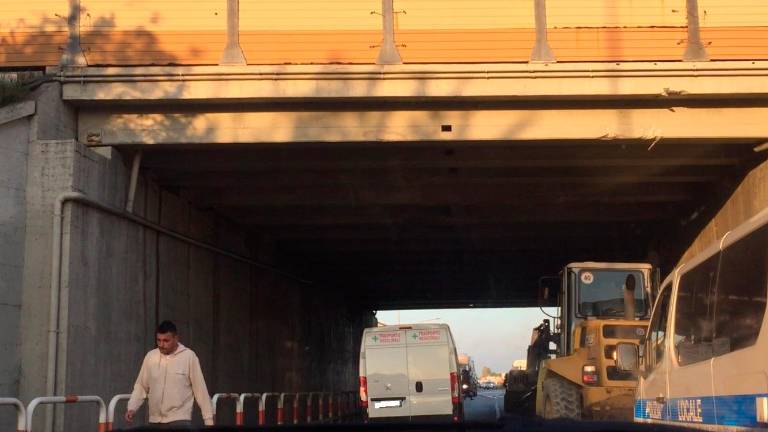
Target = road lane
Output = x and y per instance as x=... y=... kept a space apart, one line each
x=487 y=407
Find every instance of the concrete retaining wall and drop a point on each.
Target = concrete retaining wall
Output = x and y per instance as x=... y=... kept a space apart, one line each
x=750 y=198
x=14 y=138
x=254 y=330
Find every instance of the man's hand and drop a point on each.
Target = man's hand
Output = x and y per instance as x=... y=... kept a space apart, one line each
x=208 y=422
x=129 y=416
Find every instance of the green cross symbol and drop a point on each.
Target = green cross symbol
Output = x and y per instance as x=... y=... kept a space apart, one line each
x=414 y=336
x=375 y=338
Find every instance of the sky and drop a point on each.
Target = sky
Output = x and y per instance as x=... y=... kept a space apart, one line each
x=492 y=337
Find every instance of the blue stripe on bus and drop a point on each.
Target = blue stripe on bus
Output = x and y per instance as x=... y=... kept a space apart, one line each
x=738 y=410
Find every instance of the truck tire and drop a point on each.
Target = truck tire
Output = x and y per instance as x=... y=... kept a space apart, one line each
x=562 y=399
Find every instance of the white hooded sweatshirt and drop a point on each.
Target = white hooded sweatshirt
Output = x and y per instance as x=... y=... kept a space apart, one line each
x=171 y=382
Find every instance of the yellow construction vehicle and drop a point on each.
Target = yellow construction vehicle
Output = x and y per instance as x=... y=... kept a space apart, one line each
x=571 y=369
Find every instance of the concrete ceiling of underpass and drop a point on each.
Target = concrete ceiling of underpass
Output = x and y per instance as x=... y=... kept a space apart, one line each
x=459 y=223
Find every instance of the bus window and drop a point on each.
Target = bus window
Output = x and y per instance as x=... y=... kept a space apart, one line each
x=741 y=293
x=694 y=313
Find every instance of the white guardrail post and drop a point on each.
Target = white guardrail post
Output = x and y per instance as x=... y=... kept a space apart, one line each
x=281 y=407
x=215 y=401
x=66 y=400
x=296 y=402
x=240 y=410
x=309 y=406
x=111 y=409
x=21 y=412
x=263 y=407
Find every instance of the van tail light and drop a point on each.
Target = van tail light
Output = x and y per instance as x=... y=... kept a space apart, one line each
x=363 y=392
x=589 y=374
x=454 y=388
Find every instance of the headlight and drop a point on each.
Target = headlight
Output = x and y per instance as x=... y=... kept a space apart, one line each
x=464 y=386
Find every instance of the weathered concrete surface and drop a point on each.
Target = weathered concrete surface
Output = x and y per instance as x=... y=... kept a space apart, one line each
x=50 y=167
x=14 y=139
x=253 y=329
x=750 y=197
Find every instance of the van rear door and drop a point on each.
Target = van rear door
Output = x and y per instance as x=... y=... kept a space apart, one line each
x=429 y=371
x=386 y=364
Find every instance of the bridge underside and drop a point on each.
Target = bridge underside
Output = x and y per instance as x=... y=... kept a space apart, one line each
x=460 y=223
x=461 y=195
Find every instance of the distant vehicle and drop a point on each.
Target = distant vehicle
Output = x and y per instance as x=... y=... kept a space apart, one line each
x=410 y=373
x=703 y=364
x=600 y=306
x=488 y=385
x=468 y=377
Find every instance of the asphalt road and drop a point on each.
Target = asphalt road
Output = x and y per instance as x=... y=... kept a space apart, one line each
x=487 y=407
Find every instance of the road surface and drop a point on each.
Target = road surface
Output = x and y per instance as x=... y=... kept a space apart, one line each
x=487 y=407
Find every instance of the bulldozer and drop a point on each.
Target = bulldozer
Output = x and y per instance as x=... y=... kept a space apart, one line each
x=571 y=362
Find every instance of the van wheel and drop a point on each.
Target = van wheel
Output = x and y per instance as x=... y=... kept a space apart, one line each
x=561 y=399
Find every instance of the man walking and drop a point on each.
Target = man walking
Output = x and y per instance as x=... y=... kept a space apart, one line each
x=170 y=377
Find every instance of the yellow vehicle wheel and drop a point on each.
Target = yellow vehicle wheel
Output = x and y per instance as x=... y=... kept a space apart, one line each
x=562 y=399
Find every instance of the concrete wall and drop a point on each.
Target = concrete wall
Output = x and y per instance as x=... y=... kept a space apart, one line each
x=750 y=197
x=253 y=329
x=14 y=137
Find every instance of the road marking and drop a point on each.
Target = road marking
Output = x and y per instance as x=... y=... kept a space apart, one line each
x=496 y=405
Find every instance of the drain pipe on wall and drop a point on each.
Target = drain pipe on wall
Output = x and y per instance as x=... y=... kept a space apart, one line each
x=134 y=180
x=58 y=304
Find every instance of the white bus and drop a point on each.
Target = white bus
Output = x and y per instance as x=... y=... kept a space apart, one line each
x=410 y=373
x=704 y=363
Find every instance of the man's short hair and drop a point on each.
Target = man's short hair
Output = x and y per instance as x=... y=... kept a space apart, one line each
x=166 y=327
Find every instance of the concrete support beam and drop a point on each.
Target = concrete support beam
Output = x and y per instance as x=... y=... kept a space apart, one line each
x=652 y=124
x=533 y=82
x=233 y=53
x=542 y=53
x=388 y=54
x=694 y=48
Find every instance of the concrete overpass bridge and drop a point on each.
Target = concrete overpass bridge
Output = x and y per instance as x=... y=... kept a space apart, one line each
x=270 y=208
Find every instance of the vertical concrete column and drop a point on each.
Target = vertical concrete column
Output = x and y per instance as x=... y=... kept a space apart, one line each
x=388 y=53
x=233 y=53
x=541 y=51
x=694 y=51
x=73 y=53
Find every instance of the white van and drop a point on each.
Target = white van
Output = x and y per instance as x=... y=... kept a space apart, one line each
x=410 y=373
x=704 y=363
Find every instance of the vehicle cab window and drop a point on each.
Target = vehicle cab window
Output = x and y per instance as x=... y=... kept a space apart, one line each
x=658 y=328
